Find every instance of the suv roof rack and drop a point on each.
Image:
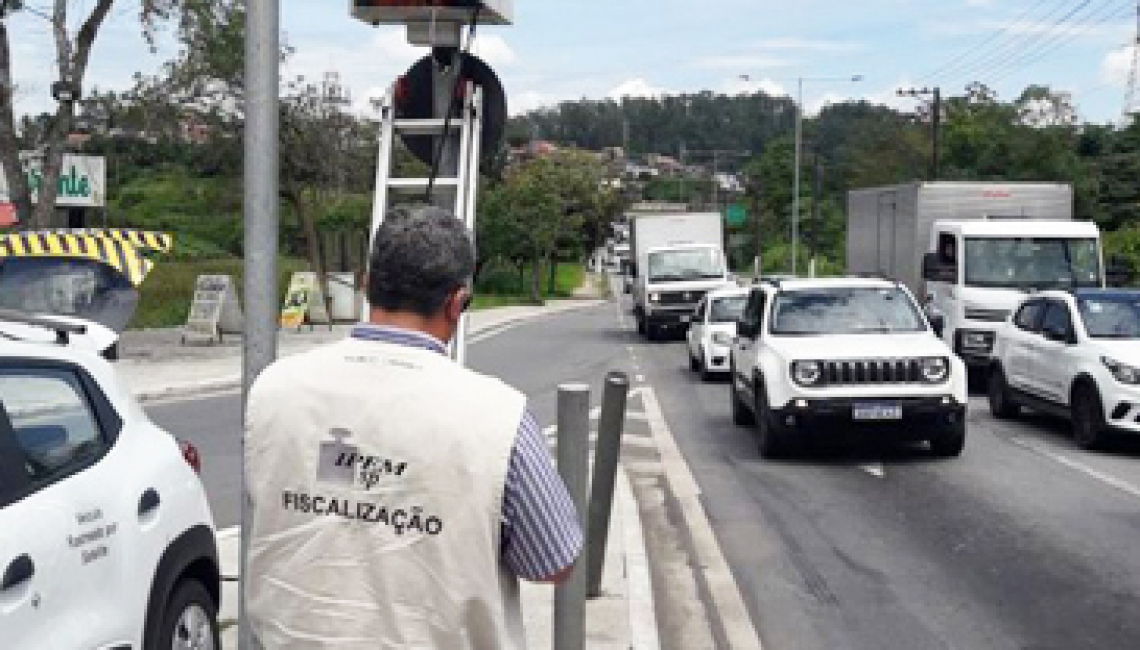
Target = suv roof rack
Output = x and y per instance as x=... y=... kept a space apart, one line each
x=63 y=329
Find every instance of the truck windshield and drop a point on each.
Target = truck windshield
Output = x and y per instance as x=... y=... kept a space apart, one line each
x=684 y=264
x=1111 y=317
x=1031 y=262
x=820 y=312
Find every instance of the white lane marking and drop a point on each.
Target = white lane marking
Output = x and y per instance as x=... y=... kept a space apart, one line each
x=874 y=469
x=1110 y=481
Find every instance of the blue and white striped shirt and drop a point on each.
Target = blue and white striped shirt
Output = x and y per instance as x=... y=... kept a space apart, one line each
x=541 y=531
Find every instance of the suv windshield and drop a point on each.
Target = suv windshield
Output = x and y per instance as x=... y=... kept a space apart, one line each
x=1111 y=317
x=727 y=310
x=1029 y=262
x=845 y=311
x=81 y=288
x=684 y=264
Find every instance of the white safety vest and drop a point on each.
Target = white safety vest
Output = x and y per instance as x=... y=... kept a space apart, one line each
x=377 y=474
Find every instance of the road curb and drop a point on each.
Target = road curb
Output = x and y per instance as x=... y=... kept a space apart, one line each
x=732 y=624
x=643 y=634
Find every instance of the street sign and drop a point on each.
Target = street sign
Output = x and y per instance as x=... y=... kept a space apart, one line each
x=736 y=215
x=215 y=310
x=82 y=180
x=304 y=302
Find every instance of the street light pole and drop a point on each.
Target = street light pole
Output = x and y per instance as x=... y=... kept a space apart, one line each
x=799 y=147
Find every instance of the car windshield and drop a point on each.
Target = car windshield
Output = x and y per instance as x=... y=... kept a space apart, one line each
x=1032 y=263
x=81 y=288
x=727 y=310
x=818 y=312
x=684 y=264
x=1111 y=317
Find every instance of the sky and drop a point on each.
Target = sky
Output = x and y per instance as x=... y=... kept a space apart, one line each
x=561 y=50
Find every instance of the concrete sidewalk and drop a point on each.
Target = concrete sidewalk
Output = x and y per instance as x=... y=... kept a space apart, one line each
x=156 y=366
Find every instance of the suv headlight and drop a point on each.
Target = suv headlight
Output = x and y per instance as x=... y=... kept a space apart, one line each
x=654 y=297
x=934 y=370
x=722 y=338
x=1123 y=372
x=807 y=373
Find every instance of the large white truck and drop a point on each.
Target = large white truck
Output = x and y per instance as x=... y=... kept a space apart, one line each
x=972 y=250
x=676 y=259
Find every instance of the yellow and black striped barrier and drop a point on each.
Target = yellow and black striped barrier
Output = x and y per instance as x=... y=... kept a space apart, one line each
x=122 y=249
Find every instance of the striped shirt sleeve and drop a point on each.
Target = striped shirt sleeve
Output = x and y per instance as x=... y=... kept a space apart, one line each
x=541 y=530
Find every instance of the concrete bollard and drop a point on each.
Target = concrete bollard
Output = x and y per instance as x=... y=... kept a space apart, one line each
x=607 y=450
x=573 y=465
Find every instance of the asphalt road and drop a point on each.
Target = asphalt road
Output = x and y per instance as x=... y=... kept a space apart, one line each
x=1025 y=542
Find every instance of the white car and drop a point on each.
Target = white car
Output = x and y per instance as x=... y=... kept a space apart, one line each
x=843 y=356
x=108 y=541
x=712 y=329
x=1074 y=354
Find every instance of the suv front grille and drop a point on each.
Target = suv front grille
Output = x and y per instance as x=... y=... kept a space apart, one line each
x=681 y=297
x=872 y=371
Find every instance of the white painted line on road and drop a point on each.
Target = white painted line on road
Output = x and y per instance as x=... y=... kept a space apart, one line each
x=874 y=469
x=727 y=602
x=1110 y=481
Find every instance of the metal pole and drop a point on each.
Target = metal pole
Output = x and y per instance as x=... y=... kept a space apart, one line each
x=607 y=450
x=936 y=121
x=262 y=53
x=796 y=172
x=573 y=465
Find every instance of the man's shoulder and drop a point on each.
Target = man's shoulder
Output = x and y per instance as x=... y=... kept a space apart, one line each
x=293 y=368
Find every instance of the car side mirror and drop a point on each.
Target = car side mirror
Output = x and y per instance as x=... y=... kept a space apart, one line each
x=744 y=329
x=933 y=270
x=938 y=324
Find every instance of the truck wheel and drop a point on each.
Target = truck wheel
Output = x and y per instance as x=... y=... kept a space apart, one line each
x=652 y=332
x=694 y=365
x=741 y=415
x=640 y=324
x=770 y=441
x=1001 y=401
x=950 y=443
x=1088 y=418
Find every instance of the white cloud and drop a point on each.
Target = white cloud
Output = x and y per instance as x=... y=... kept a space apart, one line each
x=807 y=45
x=638 y=87
x=495 y=50
x=979 y=3
x=1022 y=28
x=740 y=62
x=1115 y=66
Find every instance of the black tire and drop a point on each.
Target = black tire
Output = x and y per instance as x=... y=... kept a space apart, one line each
x=706 y=374
x=770 y=441
x=741 y=415
x=694 y=365
x=640 y=324
x=949 y=443
x=1089 y=427
x=190 y=613
x=1002 y=405
x=652 y=332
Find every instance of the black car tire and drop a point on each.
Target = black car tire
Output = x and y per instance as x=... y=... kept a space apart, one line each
x=1002 y=404
x=771 y=442
x=741 y=416
x=190 y=604
x=1088 y=418
x=694 y=365
x=951 y=442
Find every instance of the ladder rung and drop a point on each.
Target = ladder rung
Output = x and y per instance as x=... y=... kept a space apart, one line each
x=421 y=183
x=432 y=126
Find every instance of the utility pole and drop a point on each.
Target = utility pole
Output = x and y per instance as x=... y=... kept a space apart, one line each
x=816 y=209
x=935 y=121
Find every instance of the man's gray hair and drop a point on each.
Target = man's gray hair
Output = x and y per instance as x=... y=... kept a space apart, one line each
x=420 y=255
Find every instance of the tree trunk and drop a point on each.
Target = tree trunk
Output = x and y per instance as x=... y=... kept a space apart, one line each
x=535 y=279
x=552 y=269
x=9 y=146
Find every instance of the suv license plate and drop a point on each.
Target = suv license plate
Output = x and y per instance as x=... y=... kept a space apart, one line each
x=876 y=411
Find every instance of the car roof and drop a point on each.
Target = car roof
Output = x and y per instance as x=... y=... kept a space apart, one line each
x=831 y=283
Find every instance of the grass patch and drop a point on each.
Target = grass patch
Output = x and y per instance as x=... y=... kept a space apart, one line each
x=165 y=295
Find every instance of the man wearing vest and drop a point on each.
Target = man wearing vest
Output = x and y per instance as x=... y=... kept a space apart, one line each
x=397 y=497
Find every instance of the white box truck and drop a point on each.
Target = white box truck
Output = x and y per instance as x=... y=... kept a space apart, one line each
x=972 y=250
x=676 y=259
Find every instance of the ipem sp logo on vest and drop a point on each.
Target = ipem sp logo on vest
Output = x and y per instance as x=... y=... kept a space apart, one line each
x=342 y=465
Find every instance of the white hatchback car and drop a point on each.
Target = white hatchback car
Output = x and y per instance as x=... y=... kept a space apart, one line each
x=1074 y=354
x=108 y=541
x=712 y=329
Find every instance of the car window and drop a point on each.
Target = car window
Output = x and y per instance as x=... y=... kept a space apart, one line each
x=1111 y=317
x=52 y=422
x=726 y=310
x=1028 y=317
x=1056 y=317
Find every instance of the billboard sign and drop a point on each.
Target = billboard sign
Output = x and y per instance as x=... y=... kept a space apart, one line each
x=82 y=181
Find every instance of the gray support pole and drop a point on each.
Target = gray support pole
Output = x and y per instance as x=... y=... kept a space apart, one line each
x=607 y=449
x=262 y=53
x=573 y=465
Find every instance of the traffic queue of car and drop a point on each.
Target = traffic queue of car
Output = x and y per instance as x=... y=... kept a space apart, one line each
x=811 y=359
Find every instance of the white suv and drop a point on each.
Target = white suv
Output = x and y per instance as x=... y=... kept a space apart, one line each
x=1074 y=354
x=842 y=356
x=107 y=539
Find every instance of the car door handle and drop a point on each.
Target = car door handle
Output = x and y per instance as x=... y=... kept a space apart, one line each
x=149 y=501
x=18 y=572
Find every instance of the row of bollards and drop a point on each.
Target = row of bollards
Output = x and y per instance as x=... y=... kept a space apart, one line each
x=574 y=466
